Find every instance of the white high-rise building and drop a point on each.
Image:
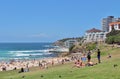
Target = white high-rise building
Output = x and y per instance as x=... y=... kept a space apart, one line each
x=105 y=23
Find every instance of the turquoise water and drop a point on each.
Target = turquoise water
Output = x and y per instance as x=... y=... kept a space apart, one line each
x=10 y=51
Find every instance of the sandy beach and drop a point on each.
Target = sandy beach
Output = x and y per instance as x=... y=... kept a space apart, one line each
x=13 y=65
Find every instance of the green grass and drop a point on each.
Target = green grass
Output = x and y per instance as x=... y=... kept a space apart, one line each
x=104 y=70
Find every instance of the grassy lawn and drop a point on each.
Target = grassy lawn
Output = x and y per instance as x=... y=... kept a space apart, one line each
x=104 y=70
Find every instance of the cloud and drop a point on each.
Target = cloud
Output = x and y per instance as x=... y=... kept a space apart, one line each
x=41 y=35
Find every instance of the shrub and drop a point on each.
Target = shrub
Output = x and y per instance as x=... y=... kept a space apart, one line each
x=91 y=46
x=113 y=37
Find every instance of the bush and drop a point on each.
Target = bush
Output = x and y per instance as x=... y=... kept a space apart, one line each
x=91 y=46
x=117 y=39
x=113 y=37
x=113 y=32
x=110 y=40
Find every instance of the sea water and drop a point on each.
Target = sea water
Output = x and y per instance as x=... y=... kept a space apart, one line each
x=17 y=51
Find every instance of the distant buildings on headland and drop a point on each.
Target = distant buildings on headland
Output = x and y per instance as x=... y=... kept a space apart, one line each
x=96 y=35
x=93 y=35
x=70 y=43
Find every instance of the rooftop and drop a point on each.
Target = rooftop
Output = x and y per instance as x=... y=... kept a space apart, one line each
x=112 y=23
x=93 y=30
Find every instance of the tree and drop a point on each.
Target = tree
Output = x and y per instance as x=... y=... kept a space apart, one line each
x=110 y=40
x=113 y=37
x=113 y=32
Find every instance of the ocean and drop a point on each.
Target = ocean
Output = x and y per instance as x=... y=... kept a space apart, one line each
x=21 y=51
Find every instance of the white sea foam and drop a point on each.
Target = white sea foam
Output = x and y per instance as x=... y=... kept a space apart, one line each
x=27 y=51
x=16 y=58
x=23 y=54
x=20 y=54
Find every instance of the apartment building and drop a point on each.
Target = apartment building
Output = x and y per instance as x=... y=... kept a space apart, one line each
x=107 y=21
x=114 y=25
x=94 y=35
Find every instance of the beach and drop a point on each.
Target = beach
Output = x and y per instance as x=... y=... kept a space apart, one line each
x=13 y=65
x=21 y=55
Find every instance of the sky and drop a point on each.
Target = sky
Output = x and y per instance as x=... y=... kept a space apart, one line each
x=51 y=20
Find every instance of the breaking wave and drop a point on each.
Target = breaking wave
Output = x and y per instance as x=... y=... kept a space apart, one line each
x=26 y=51
x=30 y=52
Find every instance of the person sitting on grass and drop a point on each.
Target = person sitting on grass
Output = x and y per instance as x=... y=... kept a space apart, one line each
x=109 y=56
x=78 y=64
x=91 y=64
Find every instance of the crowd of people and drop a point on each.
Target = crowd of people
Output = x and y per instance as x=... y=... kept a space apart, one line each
x=24 y=65
x=85 y=59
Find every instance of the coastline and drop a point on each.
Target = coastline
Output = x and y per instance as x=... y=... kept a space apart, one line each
x=33 y=52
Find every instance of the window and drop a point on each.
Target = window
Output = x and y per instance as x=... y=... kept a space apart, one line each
x=118 y=26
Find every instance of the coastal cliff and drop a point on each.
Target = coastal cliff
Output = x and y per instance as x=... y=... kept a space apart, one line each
x=61 y=42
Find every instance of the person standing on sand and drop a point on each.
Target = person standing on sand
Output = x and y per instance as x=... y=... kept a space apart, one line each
x=52 y=62
x=98 y=55
x=89 y=56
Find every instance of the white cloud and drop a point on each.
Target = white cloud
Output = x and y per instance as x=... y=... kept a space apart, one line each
x=41 y=35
